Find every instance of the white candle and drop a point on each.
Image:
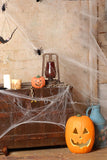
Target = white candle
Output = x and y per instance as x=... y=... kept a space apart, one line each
x=7 y=83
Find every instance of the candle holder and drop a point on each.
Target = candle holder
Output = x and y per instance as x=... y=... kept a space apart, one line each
x=16 y=84
x=50 y=68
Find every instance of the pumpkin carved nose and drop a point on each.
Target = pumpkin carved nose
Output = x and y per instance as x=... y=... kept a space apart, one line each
x=80 y=137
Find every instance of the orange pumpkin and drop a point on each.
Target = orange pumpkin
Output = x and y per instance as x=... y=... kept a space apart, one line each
x=80 y=134
x=38 y=82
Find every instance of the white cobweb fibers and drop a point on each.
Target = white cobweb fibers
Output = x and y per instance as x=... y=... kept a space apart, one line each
x=79 y=60
x=52 y=110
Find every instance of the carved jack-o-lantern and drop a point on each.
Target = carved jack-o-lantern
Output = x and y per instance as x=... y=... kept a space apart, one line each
x=80 y=134
x=38 y=82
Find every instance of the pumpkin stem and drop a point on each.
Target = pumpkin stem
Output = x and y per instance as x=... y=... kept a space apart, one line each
x=38 y=76
x=79 y=115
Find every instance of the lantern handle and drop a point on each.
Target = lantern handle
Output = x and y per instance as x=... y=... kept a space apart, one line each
x=57 y=62
x=43 y=64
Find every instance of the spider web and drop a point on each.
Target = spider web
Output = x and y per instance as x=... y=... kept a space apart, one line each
x=51 y=112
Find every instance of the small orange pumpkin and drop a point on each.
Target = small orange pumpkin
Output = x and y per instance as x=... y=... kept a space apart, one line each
x=80 y=134
x=38 y=82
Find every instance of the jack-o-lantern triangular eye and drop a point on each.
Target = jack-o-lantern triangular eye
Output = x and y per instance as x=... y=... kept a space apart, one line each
x=85 y=131
x=75 y=131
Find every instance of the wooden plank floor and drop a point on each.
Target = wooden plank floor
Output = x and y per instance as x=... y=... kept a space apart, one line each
x=54 y=154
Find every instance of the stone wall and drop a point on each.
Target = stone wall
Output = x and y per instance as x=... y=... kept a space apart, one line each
x=102 y=40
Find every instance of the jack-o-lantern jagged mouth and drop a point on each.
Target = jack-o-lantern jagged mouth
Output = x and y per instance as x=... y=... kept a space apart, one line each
x=37 y=84
x=81 y=145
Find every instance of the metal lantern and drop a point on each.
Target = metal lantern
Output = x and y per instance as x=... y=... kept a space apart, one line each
x=50 y=67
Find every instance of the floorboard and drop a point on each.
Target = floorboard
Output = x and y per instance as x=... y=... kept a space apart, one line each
x=54 y=154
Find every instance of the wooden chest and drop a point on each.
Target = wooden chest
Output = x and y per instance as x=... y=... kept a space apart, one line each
x=34 y=118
